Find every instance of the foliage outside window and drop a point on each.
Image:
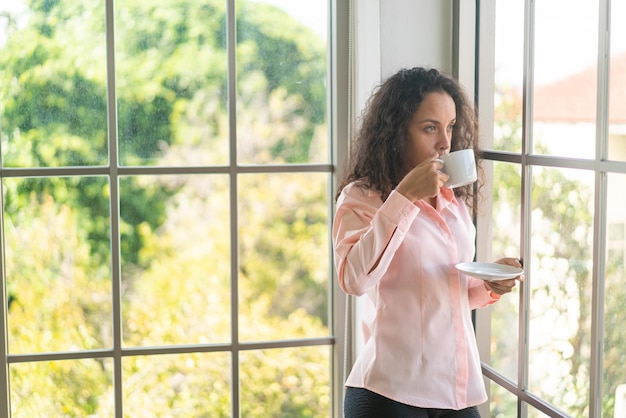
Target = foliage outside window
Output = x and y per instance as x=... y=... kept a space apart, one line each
x=555 y=226
x=162 y=174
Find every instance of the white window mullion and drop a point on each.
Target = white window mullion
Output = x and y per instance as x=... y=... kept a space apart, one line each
x=114 y=207
x=231 y=47
x=5 y=408
x=600 y=213
x=526 y=190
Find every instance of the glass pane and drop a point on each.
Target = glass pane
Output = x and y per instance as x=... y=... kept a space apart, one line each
x=535 y=413
x=560 y=280
x=505 y=230
x=171 y=82
x=52 y=84
x=617 y=83
x=288 y=382
x=176 y=259
x=614 y=377
x=281 y=82
x=508 y=82
x=180 y=385
x=502 y=403
x=566 y=54
x=283 y=254
x=56 y=235
x=68 y=388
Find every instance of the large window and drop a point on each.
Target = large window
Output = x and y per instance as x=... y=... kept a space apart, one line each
x=166 y=203
x=553 y=91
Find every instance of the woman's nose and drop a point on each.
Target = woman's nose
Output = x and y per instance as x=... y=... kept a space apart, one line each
x=445 y=139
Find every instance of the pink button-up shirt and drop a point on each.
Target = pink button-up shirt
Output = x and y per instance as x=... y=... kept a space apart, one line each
x=420 y=347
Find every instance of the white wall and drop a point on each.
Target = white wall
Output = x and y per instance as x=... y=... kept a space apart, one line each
x=393 y=34
x=415 y=33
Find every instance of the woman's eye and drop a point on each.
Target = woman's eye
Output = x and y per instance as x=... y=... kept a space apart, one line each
x=430 y=129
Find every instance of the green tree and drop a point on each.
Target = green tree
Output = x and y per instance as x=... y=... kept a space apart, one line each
x=298 y=75
x=62 y=304
x=614 y=337
x=54 y=114
x=171 y=106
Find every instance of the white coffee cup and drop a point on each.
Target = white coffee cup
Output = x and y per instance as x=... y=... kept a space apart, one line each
x=460 y=166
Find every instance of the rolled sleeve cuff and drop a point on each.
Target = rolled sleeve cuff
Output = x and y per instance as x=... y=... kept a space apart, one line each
x=480 y=296
x=399 y=210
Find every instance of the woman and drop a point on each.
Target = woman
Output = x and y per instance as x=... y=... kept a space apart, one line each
x=398 y=233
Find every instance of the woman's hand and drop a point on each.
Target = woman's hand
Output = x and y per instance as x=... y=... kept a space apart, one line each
x=423 y=181
x=500 y=287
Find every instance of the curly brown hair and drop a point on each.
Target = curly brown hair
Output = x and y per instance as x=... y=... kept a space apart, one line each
x=377 y=150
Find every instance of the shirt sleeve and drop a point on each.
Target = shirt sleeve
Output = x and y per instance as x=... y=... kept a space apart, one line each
x=479 y=295
x=366 y=234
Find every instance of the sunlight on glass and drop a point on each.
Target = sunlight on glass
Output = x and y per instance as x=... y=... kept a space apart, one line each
x=535 y=413
x=617 y=83
x=283 y=253
x=177 y=385
x=565 y=76
x=288 y=382
x=52 y=85
x=502 y=403
x=171 y=82
x=614 y=377
x=172 y=102
x=281 y=82
x=176 y=261
x=561 y=282
x=56 y=236
x=508 y=76
x=68 y=388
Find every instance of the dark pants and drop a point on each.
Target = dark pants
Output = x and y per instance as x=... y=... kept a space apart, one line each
x=362 y=403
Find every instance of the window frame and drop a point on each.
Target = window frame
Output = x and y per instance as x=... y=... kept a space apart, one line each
x=337 y=105
x=599 y=165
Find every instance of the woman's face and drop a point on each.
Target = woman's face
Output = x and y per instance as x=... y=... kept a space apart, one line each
x=430 y=129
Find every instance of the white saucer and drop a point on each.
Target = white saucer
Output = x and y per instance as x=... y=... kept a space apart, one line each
x=489 y=271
